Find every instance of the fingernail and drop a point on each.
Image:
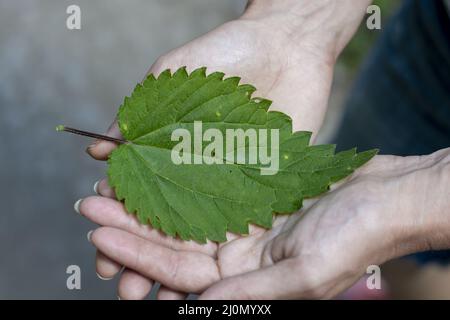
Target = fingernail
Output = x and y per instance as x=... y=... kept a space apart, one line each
x=96 y=187
x=92 y=145
x=76 y=206
x=122 y=269
x=103 y=278
x=89 y=235
x=118 y=298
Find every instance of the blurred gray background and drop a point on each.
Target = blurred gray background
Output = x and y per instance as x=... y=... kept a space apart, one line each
x=50 y=75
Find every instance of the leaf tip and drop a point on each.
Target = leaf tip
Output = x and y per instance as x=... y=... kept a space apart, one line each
x=199 y=72
x=165 y=74
x=181 y=72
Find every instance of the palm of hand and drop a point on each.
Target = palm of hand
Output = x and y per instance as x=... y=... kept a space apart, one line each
x=295 y=76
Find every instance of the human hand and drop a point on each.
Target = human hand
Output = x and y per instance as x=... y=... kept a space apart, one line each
x=277 y=67
x=384 y=210
x=286 y=49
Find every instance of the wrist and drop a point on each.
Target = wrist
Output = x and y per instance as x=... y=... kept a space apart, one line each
x=435 y=210
x=323 y=26
x=423 y=222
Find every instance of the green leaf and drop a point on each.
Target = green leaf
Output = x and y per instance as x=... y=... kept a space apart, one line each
x=204 y=201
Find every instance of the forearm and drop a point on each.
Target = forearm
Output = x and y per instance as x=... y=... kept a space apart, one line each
x=327 y=24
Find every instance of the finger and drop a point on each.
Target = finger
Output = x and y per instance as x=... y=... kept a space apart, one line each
x=133 y=286
x=105 y=267
x=103 y=189
x=165 y=293
x=274 y=282
x=179 y=270
x=111 y=213
x=100 y=149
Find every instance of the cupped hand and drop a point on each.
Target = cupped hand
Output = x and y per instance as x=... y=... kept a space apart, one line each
x=315 y=253
x=296 y=76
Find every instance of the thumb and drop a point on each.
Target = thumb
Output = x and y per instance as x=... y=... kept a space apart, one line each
x=100 y=149
x=279 y=281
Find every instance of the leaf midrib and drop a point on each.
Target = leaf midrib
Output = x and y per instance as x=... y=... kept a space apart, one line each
x=181 y=186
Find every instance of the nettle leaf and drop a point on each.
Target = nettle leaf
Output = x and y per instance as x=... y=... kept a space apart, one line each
x=204 y=201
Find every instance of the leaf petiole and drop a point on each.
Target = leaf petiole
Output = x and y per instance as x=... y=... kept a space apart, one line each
x=89 y=134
